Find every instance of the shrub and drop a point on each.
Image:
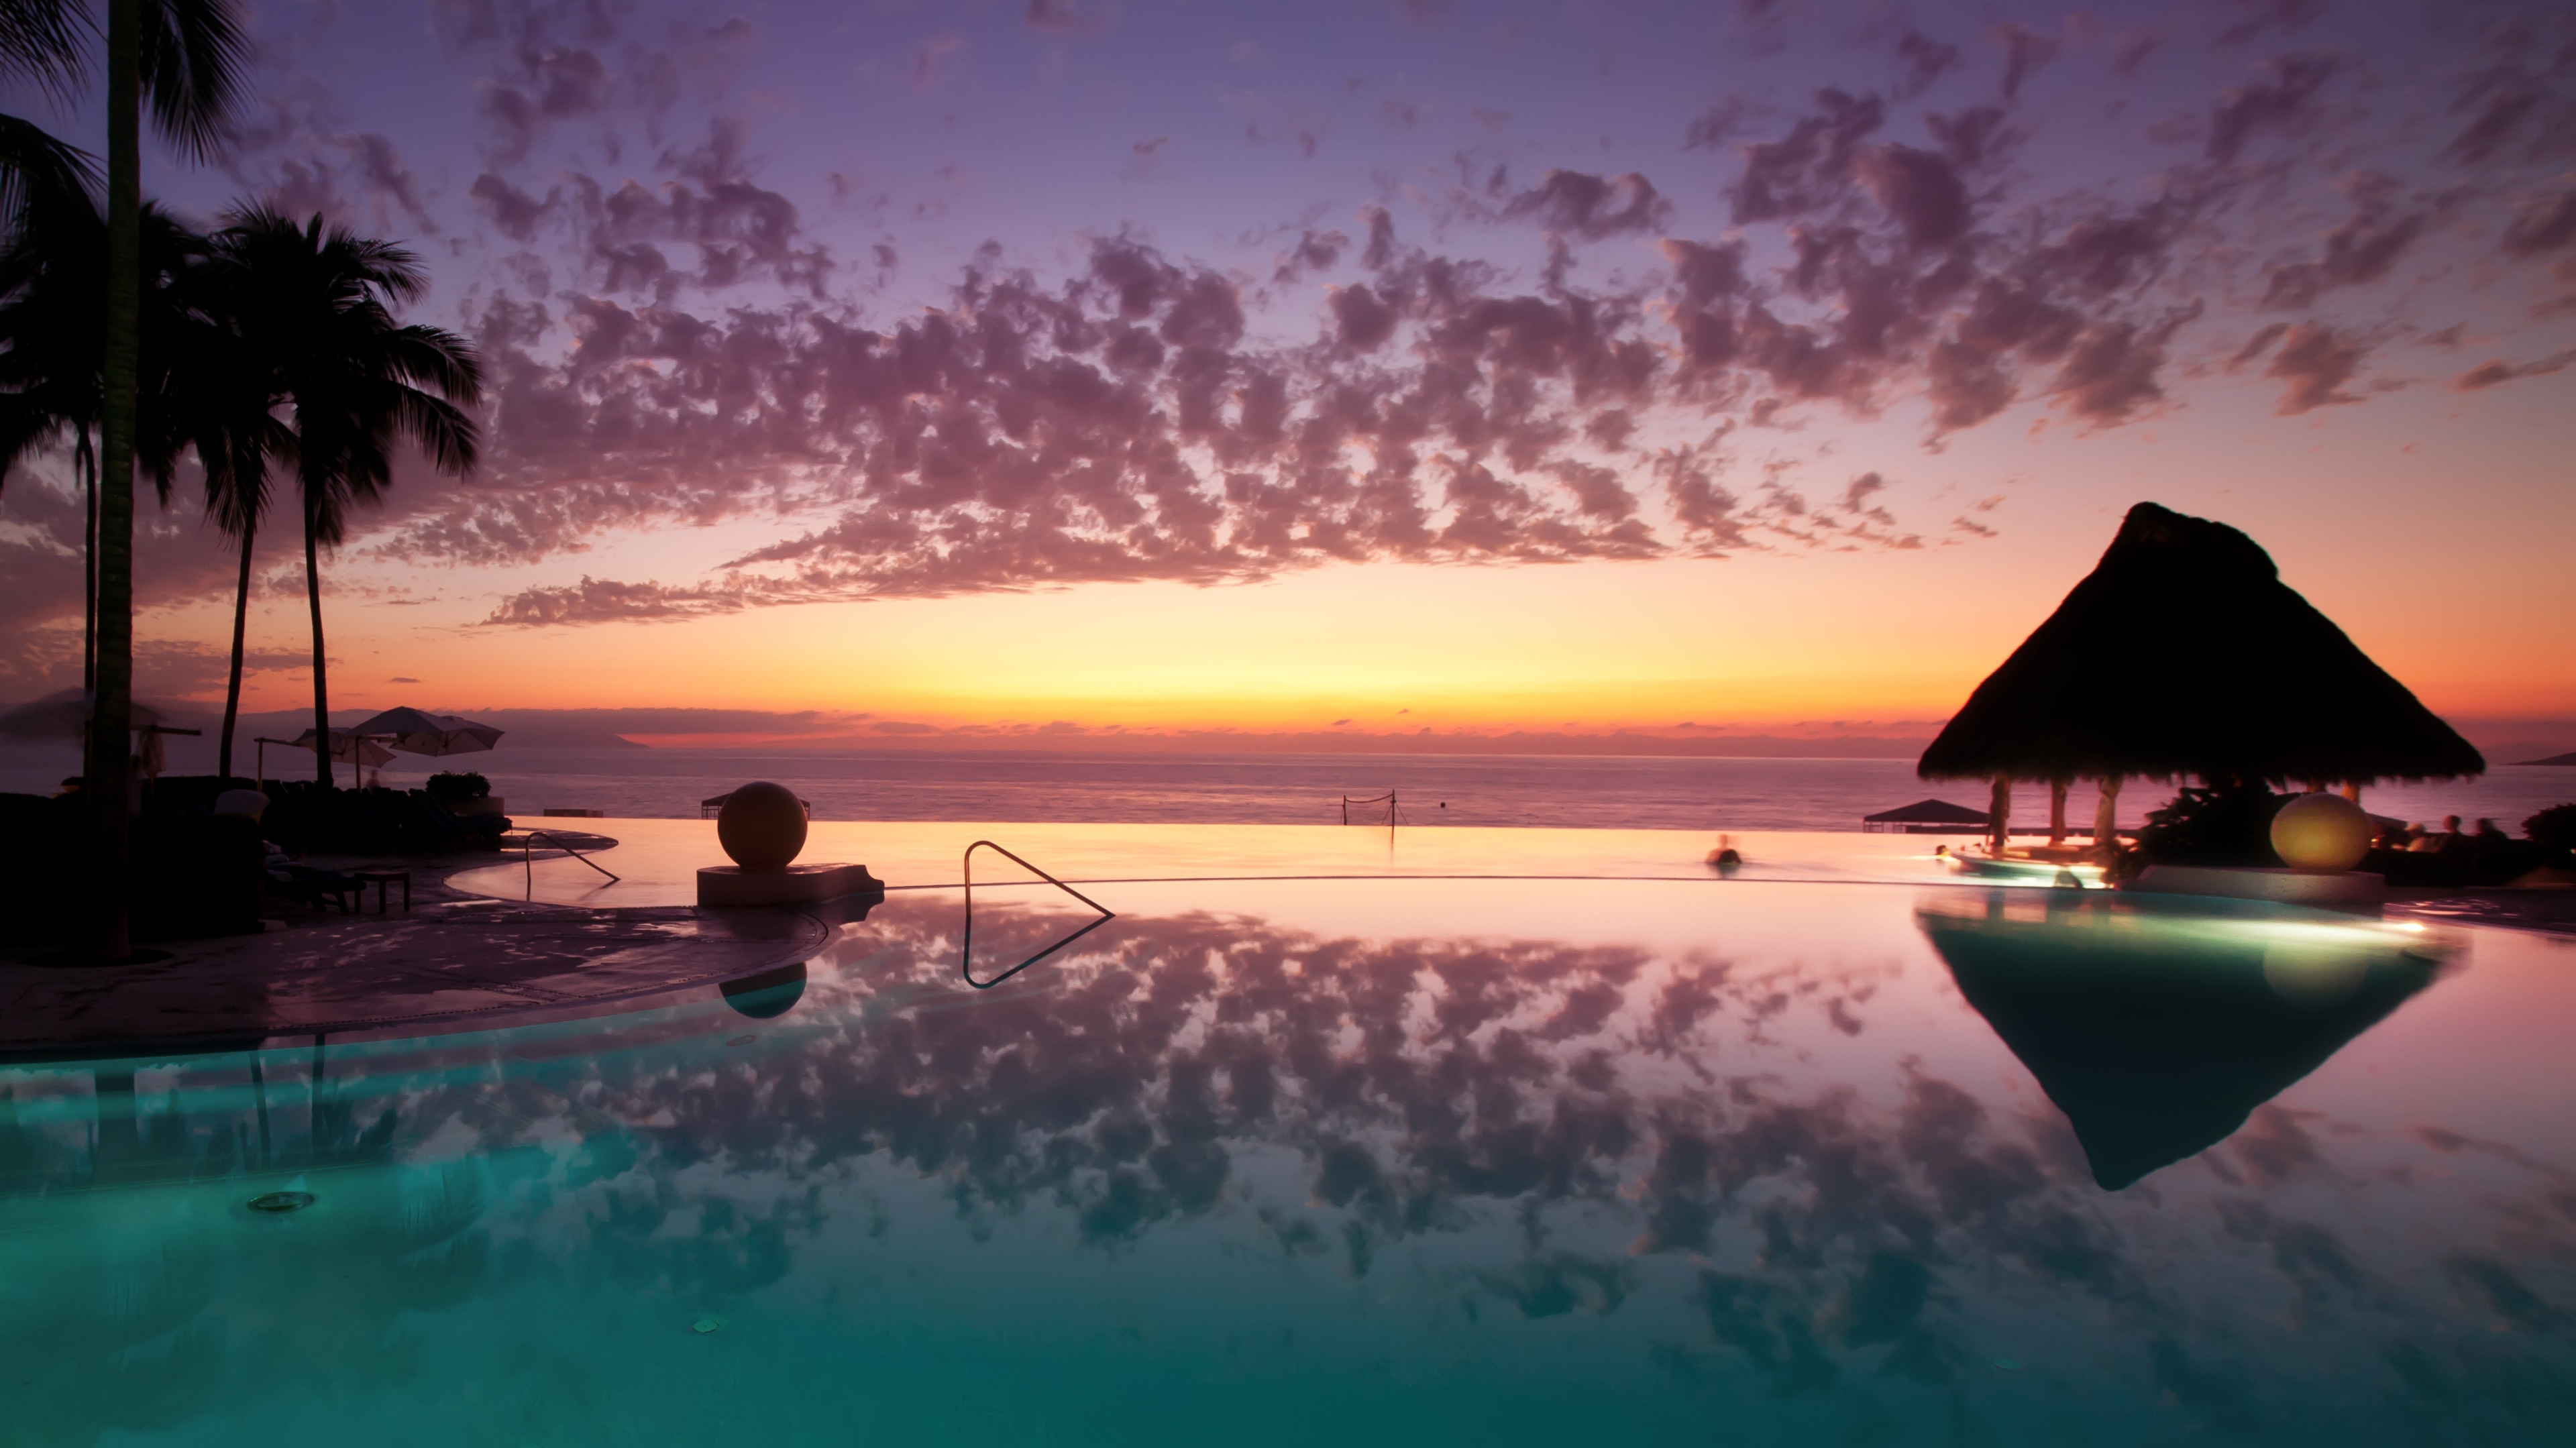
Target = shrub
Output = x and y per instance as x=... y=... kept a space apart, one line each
x=2554 y=827
x=2227 y=824
x=457 y=788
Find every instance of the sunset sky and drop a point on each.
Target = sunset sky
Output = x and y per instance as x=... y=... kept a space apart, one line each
x=1061 y=368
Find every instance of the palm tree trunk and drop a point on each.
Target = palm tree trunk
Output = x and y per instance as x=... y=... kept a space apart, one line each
x=85 y=463
x=241 y=623
x=110 y=761
x=321 y=691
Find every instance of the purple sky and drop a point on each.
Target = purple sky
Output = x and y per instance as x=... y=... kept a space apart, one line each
x=811 y=304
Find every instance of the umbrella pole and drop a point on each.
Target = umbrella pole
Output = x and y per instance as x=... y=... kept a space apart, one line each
x=1999 y=814
x=2106 y=816
x=2057 y=812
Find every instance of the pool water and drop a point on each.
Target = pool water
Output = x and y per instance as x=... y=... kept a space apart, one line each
x=1400 y=1160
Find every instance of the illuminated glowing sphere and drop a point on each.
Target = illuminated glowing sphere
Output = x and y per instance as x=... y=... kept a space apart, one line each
x=762 y=826
x=2322 y=832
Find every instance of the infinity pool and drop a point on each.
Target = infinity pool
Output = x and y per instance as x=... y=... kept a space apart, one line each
x=1381 y=1161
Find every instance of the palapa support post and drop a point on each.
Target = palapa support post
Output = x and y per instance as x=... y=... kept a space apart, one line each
x=1999 y=814
x=2057 y=812
x=2106 y=817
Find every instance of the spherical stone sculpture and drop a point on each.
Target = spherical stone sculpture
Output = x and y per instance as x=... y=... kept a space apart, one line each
x=2324 y=833
x=762 y=826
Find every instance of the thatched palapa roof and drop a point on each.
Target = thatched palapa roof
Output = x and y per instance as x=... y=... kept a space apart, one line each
x=2182 y=652
x=1927 y=812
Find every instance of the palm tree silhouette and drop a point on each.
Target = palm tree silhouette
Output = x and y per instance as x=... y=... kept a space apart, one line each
x=52 y=280
x=39 y=43
x=315 y=309
x=187 y=56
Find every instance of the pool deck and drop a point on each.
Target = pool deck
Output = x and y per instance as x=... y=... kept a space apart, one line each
x=464 y=953
x=451 y=960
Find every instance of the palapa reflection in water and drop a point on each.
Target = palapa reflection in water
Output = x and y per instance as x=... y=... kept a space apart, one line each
x=2159 y=1027
x=1710 y=1162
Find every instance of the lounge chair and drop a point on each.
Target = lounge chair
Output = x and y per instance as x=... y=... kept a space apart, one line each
x=310 y=886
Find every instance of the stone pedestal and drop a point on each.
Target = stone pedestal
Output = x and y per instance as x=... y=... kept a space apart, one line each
x=794 y=885
x=2335 y=890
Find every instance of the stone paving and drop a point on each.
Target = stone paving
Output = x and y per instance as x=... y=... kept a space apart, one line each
x=451 y=958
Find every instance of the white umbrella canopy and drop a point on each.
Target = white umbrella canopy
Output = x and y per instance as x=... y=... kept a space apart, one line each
x=415 y=732
x=65 y=715
x=345 y=745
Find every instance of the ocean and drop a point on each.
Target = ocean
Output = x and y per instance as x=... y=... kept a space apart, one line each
x=1431 y=790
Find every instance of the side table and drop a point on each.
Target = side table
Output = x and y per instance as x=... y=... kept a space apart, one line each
x=381 y=879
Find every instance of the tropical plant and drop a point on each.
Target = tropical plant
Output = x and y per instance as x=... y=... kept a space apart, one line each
x=315 y=307
x=52 y=279
x=2554 y=827
x=187 y=57
x=2228 y=822
x=40 y=44
x=458 y=786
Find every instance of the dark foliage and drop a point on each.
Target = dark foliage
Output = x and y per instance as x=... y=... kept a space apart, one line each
x=2226 y=825
x=311 y=816
x=2554 y=827
x=455 y=787
x=194 y=874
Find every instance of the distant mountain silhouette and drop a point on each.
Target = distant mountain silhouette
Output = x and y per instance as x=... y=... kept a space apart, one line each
x=2554 y=759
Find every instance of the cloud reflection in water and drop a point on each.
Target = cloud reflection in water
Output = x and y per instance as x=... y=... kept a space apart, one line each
x=1816 y=1187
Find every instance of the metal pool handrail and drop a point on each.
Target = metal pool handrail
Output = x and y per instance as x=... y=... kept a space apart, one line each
x=528 y=855
x=966 y=936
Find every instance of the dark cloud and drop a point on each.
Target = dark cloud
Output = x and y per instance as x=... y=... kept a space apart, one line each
x=1919 y=191
x=2315 y=362
x=676 y=350
x=2284 y=102
x=2360 y=251
x=2541 y=224
x=2025 y=51
x=1810 y=168
x=1925 y=60
x=2258 y=18
x=600 y=601
x=2493 y=374
x=1594 y=206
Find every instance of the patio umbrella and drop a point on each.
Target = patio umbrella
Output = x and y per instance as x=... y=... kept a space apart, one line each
x=414 y=732
x=65 y=715
x=346 y=744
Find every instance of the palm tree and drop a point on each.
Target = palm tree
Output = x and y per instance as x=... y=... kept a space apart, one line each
x=315 y=306
x=240 y=435
x=187 y=55
x=40 y=43
x=52 y=279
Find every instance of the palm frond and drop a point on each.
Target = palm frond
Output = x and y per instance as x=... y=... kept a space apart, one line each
x=193 y=55
x=43 y=42
x=34 y=161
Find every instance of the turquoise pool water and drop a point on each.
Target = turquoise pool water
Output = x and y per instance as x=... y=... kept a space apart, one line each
x=1404 y=1160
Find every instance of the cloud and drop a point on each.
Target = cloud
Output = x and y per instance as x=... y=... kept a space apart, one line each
x=603 y=601
x=2284 y=103
x=2316 y=362
x=2493 y=374
x=2363 y=249
x=2541 y=224
x=1574 y=382
x=1593 y=206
